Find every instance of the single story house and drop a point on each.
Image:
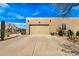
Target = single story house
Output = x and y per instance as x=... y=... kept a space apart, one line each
x=43 y=25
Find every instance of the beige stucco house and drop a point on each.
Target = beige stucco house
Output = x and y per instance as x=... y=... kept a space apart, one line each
x=42 y=25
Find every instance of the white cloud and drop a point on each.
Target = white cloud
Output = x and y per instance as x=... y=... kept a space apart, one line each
x=20 y=25
x=36 y=13
x=4 y=5
x=19 y=16
x=76 y=7
x=15 y=15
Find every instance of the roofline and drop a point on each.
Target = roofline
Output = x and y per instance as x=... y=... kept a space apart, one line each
x=51 y=17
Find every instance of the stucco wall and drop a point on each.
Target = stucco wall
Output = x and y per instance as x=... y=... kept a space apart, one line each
x=72 y=23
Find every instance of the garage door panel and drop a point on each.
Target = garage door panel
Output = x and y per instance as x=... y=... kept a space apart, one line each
x=39 y=29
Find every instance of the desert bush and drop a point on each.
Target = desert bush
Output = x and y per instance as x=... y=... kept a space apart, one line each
x=51 y=33
x=60 y=32
x=77 y=33
x=23 y=31
x=70 y=33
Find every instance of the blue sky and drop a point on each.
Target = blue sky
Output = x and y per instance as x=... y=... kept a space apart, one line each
x=17 y=12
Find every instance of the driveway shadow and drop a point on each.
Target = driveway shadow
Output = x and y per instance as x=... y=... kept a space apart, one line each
x=9 y=38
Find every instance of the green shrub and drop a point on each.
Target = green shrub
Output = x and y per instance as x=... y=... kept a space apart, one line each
x=51 y=33
x=23 y=31
x=70 y=33
x=77 y=33
x=60 y=32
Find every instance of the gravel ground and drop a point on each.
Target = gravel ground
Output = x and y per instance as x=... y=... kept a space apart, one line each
x=35 y=45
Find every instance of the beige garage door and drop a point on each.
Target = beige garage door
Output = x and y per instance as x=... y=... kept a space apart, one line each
x=39 y=29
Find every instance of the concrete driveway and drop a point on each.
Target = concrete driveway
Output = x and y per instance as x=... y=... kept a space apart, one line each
x=33 y=45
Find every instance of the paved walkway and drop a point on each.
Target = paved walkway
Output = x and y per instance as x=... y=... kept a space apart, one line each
x=33 y=45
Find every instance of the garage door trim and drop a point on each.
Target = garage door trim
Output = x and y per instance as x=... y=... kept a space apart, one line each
x=37 y=25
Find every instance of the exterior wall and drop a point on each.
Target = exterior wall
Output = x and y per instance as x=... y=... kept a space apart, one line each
x=71 y=23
